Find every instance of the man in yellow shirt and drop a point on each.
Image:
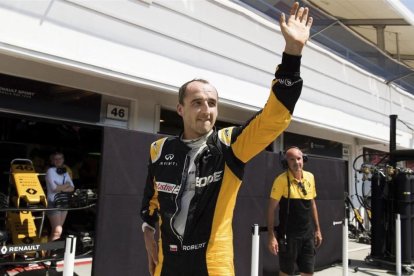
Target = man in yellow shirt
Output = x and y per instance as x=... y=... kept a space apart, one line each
x=298 y=232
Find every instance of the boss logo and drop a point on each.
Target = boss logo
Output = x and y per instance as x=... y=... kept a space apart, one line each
x=169 y=157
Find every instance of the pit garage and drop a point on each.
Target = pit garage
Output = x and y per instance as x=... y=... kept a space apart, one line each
x=38 y=119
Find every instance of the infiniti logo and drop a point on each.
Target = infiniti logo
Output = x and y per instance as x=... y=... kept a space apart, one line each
x=169 y=157
x=287 y=82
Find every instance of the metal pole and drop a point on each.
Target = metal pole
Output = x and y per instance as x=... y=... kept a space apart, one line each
x=255 y=250
x=345 y=248
x=393 y=137
x=69 y=260
x=398 y=245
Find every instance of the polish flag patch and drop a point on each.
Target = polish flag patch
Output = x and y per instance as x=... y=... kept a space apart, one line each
x=173 y=248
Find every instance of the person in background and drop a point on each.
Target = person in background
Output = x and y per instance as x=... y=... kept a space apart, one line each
x=67 y=168
x=57 y=180
x=298 y=232
x=193 y=179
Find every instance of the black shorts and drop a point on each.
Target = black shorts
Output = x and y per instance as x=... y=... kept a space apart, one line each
x=300 y=251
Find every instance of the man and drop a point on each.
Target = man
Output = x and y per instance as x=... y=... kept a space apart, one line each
x=298 y=230
x=193 y=179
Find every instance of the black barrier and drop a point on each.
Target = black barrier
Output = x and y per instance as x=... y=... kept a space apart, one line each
x=412 y=216
x=391 y=196
x=403 y=197
x=378 y=204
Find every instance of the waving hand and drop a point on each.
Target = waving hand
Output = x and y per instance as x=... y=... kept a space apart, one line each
x=296 y=29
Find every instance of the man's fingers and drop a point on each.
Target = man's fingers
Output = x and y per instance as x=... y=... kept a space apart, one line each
x=318 y=241
x=309 y=23
x=153 y=251
x=294 y=9
x=304 y=16
x=282 y=19
x=272 y=250
x=154 y=255
x=299 y=14
x=151 y=265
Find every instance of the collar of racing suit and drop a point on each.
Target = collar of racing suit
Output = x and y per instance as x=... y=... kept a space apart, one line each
x=212 y=143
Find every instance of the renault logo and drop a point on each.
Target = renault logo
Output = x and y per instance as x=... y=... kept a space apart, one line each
x=169 y=157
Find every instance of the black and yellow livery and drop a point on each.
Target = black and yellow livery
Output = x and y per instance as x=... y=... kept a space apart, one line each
x=206 y=247
x=28 y=193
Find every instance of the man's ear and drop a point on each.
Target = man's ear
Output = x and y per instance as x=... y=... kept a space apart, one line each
x=180 y=109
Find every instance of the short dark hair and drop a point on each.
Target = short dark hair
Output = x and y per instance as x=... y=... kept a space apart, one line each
x=183 y=89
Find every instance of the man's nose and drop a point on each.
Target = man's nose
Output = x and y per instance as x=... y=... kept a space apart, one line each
x=205 y=108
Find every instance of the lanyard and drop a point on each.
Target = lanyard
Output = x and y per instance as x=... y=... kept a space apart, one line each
x=288 y=203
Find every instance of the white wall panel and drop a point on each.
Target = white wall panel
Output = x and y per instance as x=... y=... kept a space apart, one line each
x=168 y=42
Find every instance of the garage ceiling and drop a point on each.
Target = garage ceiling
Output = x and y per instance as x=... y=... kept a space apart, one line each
x=386 y=24
x=376 y=35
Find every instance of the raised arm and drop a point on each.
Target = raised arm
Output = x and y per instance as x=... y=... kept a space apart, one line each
x=269 y=123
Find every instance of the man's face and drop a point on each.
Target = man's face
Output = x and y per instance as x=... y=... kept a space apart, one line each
x=294 y=159
x=58 y=160
x=199 y=109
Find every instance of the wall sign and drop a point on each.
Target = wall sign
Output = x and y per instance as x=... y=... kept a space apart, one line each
x=312 y=145
x=117 y=112
x=49 y=99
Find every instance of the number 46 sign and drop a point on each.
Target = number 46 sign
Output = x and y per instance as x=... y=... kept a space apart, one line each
x=117 y=112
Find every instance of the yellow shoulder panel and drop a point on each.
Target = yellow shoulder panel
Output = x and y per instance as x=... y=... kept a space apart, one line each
x=225 y=135
x=156 y=148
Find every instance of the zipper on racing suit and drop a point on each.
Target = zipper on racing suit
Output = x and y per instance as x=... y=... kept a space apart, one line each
x=197 y=174
x=184 y=176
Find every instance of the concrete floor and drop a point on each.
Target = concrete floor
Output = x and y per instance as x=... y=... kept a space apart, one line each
x=357 y=265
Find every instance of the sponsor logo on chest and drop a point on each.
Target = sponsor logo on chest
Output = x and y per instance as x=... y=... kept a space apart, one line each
x=168 y=187
x=168 y=160
x=205 y=180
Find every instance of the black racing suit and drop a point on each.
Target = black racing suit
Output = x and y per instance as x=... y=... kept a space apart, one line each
x=206 y=247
